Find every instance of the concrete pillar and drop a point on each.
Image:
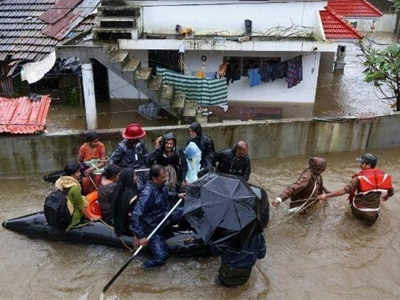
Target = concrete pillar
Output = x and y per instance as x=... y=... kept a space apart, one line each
x=89 y=96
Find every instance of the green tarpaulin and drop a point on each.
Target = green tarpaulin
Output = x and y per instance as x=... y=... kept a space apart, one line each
x=202 y=90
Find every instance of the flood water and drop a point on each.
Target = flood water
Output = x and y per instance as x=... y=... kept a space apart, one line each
x=325 y=255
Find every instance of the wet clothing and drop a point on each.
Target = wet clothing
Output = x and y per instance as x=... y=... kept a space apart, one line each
x=236 y=265
x=122 y=201
x=364 y=206
x=175 y=159
x=87 y=183
x=88 y=153
x=105 y=192
x=227 y=162
x=309 y=179
x=205 y=144
x=150 y=209
x=134 y=158
x=76 y=203
x=127 y=157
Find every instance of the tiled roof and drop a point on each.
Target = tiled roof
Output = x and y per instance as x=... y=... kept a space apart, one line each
x=336 y=28
x=22 y=115
x=354 y=8
x=22 y=34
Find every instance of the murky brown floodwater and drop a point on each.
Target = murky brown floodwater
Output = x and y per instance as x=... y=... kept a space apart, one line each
x=326 y=255
x=346 y=93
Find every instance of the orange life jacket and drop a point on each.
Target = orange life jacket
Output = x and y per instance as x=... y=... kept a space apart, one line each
x=373 y=180
x=93 y=211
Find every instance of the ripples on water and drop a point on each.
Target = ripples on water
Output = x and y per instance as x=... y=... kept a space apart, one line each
x=324 y=255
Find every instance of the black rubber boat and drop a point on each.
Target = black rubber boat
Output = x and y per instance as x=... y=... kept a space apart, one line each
x=181 y=243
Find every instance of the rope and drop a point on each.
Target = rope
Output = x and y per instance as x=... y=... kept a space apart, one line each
x=301 y=209
x=307 y=204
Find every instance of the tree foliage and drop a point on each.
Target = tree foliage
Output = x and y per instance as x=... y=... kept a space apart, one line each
x=382 y=68
x=396 y=4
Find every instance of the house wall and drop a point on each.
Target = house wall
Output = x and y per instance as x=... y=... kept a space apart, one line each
x=276 y=91
x=386 y=23
x=119 y=88
x=229 y=19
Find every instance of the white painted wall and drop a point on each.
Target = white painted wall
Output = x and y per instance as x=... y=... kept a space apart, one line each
x=229 y=19
x=276 y=91
x=119 y=88
x=386 y=23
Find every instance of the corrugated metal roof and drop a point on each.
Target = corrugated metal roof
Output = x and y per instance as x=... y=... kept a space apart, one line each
x=59 y=11
x=22 y=115
x=336 y=28
x=60 y=29
x=354 y=8
x=21 y=28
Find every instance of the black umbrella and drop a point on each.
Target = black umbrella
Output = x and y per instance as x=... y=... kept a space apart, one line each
x=219 y=207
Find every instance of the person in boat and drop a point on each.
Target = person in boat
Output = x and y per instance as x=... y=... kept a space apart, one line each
x=307 y=187
x=93 y=149
x=131 y=152
x=234 y=161
x=150 y=209
x=237 y=264
x=109 y=182
x=167 y=155
x=205 y=144
x=76 y=203
x=366 y=190
x=193 y=159
x=123 y=200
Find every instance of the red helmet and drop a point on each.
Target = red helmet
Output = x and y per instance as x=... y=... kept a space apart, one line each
x=133 y=132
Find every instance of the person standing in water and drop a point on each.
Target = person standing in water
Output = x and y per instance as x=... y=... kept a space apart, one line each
x=307 y=187
x=366 y=190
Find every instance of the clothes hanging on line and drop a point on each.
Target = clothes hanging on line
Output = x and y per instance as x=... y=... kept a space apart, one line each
x=294 y=71
x=254 y=77
x=204 y=91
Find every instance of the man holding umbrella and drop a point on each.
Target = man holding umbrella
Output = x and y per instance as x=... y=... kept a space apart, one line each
x=229 y=216
x=236 y=264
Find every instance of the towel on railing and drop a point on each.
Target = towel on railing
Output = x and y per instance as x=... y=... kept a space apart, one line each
x=202 y=90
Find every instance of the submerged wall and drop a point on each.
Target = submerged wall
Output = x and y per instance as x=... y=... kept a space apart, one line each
x=24 y=155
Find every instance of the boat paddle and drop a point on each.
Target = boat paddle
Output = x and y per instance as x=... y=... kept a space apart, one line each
x=106 y=287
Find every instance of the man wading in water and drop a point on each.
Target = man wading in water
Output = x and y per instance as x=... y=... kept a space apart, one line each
x=366 y=190
x=307 y=187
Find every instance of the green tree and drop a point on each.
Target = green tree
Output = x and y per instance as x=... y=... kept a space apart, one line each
x=382 y=68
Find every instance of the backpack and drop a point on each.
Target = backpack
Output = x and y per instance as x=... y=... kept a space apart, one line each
x=56 y=210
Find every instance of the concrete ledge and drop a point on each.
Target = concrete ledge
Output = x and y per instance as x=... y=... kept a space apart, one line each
x=24 y=155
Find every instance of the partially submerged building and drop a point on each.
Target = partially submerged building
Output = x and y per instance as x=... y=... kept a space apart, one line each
x=185 y=55
x=30 y=30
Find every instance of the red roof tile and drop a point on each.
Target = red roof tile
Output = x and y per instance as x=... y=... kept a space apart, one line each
x=22 y=115
x=336 y=28
x=354 y=8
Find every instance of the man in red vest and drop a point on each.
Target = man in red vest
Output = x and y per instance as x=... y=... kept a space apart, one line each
x=366 y=190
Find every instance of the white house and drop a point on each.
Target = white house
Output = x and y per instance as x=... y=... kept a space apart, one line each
x=196 y=38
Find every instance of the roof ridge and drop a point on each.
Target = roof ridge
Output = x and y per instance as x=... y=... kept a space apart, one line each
x=373 y=7
x=341 y=20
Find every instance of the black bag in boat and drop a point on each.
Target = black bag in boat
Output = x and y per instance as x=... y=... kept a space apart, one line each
x=56 y=210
